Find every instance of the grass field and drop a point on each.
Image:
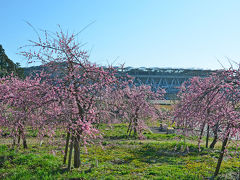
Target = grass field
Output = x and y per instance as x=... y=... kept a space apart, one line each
x=159 y=156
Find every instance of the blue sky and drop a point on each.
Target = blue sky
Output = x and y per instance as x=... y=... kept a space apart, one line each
x=139 y=33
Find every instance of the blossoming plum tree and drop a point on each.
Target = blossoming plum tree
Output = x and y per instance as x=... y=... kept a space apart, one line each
x=213 y=101
x=132 y=104
x=80 y=83
x=25 y=103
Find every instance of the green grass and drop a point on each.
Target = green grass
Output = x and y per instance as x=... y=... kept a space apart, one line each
x=159 y=156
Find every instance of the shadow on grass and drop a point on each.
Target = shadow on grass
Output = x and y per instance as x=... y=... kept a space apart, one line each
x=165 y=153
x=116 y=137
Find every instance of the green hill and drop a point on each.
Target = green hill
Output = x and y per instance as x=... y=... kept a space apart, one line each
x=7 y=66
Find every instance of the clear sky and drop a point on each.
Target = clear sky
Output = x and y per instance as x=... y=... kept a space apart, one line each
x=139 y=33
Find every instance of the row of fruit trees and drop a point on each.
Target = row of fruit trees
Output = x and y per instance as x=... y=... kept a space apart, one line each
x=71 y=93
x=79 y=95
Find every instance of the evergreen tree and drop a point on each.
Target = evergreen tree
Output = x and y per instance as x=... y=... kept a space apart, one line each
x=7 y=66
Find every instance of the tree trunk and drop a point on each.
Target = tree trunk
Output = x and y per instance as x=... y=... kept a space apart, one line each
x=212 y=145
x=200 y=137
x=222 y=152
x=184 y=137
x=21 y=133
x=207 y=138
x=129 y=126
x=215 y=137
x=130 y=131
x=135 y=128
x=136 y=123
x=70 y=154
x=77 y=160
x=14 y=142
x=66 y=148
x=24 y=142
x=19 y=139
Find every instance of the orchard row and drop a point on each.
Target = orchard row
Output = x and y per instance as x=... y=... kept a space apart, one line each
x=78 y=95
x=71 y=93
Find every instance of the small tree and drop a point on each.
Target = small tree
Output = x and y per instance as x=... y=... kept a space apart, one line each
x=213 y=101
x=24 y=104
x=132 y=104
x=198 y=108
x=139 y=107
x=80 y=83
